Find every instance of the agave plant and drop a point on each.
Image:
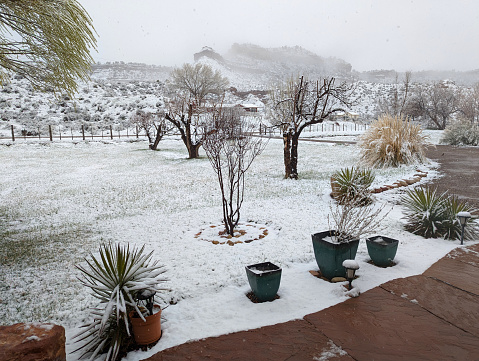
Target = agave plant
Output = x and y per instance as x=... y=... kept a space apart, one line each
x=434 y=215
x=352 y=183
x=114 y=278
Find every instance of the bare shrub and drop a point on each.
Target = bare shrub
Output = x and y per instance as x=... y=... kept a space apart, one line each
x=351 y=220
x=231 y=148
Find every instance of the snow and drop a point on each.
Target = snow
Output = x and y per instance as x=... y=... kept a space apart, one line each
x=464 y=214
x=351 y=264
x=60 y=200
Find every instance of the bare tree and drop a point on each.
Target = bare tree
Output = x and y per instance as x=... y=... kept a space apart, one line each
x=153 y=125
x=469 y=103
x=231 y=148
x=192 y=85
x=395 y=102
x=436 y=102
x=301 y=103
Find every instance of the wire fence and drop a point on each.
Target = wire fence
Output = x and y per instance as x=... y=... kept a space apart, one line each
x=85 y=133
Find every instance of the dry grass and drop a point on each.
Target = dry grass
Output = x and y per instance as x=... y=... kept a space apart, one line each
x=392 y=141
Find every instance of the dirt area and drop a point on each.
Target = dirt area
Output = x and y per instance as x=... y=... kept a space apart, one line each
x=460 y=169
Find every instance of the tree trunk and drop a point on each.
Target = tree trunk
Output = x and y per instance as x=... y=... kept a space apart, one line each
x=294 y=156
x=287 y=154
x=158 y=137
x=193 y=150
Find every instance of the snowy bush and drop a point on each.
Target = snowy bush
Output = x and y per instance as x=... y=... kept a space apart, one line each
x=461 y=133
x=434 y=215
x=392 y=141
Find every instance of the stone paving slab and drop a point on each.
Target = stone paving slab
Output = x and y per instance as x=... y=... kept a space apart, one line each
x=294 y=340
x=469 y=254
x=456 y=273
x=451 y=304
x=434 y=316
x=378 y=325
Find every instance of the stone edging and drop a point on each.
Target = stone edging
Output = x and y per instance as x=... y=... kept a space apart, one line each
x=401 y=183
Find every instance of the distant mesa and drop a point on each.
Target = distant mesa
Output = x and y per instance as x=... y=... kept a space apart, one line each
x=208 y=52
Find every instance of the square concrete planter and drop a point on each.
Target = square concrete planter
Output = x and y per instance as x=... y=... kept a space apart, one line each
x=264 y=279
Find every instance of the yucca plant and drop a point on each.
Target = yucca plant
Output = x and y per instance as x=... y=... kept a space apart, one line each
x=431 y=214
x=114 y=278
x=352 y=183
x=425 y=211
x=392 y=141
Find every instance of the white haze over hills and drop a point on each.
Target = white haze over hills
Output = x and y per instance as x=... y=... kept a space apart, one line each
x=250 y=66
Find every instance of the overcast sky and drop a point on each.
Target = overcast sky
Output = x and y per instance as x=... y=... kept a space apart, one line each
x=381 y=34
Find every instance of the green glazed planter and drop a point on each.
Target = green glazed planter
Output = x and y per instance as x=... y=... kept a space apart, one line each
x=264 y=279
x=330 y=256
x=382 y=250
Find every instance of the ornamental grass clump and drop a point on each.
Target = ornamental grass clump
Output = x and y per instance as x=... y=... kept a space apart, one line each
x=114 y=278
x=392 y=141
x=461 y=133
x=352 y=184
x=434 y=215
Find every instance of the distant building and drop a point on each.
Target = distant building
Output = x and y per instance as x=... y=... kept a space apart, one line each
x=252 y=108
x=208 y=53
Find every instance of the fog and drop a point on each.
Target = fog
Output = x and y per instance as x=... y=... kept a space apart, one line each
x=401 y=35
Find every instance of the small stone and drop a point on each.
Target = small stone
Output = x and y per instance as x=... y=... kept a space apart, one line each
x=338 y=279
x=32 y=341
x=315 y=273
x=215 y=242
x=409 y=181
x=230 y=243
x=403 y=183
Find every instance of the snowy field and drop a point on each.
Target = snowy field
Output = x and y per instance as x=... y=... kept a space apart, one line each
x=60 y=200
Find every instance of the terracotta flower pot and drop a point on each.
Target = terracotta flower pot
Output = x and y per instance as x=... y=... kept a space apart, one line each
x=149 y=331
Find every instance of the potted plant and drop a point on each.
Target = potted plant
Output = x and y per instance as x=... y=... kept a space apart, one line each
x=264 y=279
x=382 y=250
x=146 y=325
x=115 y=277
x=352 y=220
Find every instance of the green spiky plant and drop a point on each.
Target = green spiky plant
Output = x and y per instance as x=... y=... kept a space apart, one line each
x=432 y=215
x=392 y=141
x=114 y=278
x=352 y=183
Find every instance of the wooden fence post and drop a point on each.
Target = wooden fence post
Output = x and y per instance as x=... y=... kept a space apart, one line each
x=60 y=132
x=137 y=132
x=83 y=131
x=39 y=137
x=13 y=134
x=111 y=132
x=50 y=132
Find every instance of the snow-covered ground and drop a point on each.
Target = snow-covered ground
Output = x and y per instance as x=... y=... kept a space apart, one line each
x=60 y=200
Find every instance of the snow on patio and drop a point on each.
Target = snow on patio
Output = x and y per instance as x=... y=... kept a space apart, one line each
x=61 y=200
